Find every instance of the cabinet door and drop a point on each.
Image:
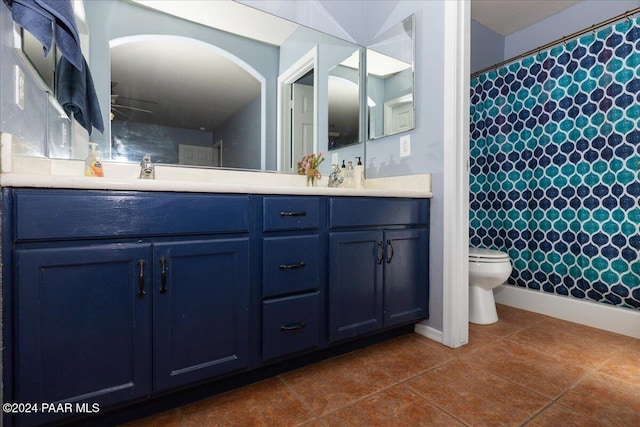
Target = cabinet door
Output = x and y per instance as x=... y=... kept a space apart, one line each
x=83 y=330
x=405 y=276
x=200 y=313
x=355 y=283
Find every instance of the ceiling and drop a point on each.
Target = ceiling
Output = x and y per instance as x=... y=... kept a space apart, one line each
x=508 y=16
x=224 y=14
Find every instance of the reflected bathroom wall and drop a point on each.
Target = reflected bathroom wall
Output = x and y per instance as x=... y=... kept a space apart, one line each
x=344 y=103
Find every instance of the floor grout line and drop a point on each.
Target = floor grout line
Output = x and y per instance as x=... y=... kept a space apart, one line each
x=434 y=404
x=298 y=397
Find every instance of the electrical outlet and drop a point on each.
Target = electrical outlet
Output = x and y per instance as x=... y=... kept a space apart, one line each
x=405 y=146
x=334 y=158
x=19 y=98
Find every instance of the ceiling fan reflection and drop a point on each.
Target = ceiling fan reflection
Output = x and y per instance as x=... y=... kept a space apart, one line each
x=117 y=108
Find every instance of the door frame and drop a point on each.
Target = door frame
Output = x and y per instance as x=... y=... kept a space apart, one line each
x=217 y=147
x=455 y=322
x=389 y=108
x=308 y=62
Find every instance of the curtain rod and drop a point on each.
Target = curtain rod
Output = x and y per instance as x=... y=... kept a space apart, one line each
x=564 y=39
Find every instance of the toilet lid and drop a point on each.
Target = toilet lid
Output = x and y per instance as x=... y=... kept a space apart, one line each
x=490 y=254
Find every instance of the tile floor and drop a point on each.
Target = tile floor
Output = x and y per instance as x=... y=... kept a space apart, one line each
x=527 y=369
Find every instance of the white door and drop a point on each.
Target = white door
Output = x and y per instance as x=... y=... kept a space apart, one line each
x=301 y=122
x=398 y=115
x=195 y=155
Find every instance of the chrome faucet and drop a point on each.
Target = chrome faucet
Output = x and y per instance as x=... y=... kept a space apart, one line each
x=335 y=178
x=147 y=170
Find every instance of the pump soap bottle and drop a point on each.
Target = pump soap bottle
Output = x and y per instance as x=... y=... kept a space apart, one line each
x=93 y=165
x=359 y=173
x=349 y=180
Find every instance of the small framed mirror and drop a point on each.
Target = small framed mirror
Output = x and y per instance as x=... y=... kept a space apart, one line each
x=390 y=81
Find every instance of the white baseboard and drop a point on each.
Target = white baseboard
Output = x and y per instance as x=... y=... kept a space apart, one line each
x=619 y=320
x=428 y=331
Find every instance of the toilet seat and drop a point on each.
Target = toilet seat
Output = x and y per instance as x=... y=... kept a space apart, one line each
x=487 y=255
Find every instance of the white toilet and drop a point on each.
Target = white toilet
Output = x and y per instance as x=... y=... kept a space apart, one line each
x=488 y=269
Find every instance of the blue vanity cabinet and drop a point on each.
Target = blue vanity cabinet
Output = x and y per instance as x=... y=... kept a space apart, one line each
x=378 y=264
x=292 y=279
x=83 y=316
x=406 y=275
x=115 y=297
x=121 y=310
x=355 y=283
x=200 y=314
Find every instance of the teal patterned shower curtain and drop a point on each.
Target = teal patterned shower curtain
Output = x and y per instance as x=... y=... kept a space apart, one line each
x=554 y=173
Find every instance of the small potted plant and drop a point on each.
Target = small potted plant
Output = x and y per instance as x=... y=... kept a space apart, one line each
x=309 y=166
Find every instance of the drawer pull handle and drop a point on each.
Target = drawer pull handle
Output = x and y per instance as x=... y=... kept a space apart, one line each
x=292 y=266
x=299 y=213
x=141 y=291
x=380 y=254
x=163 y=275
x=389 y=245
x=292 y=326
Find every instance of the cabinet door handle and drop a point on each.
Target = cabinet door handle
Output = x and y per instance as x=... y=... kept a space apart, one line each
x=163 y=275
x=299 y=213
x=292 y=266
x=292 y=326
x=141 y=291
x=380 y=254
x=389 y=245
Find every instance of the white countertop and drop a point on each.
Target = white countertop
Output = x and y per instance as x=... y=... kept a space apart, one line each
x=46 y=173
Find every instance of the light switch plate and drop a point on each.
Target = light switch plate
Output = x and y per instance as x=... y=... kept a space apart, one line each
x=405 y=146
x=334 y=158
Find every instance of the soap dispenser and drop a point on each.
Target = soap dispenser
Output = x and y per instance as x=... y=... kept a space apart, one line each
x=349 y=179
x=92 y=164
x=359 y=173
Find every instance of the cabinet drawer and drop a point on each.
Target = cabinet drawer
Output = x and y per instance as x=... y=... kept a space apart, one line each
x=291 y=213
x=291 y=324
x=60 y=214
x=371 y=212
x=290 y=264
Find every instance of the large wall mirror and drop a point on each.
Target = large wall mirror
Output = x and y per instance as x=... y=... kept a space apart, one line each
x=390 y=80
x=195 y=82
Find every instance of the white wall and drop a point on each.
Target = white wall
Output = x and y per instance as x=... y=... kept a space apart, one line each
x=487 y=47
